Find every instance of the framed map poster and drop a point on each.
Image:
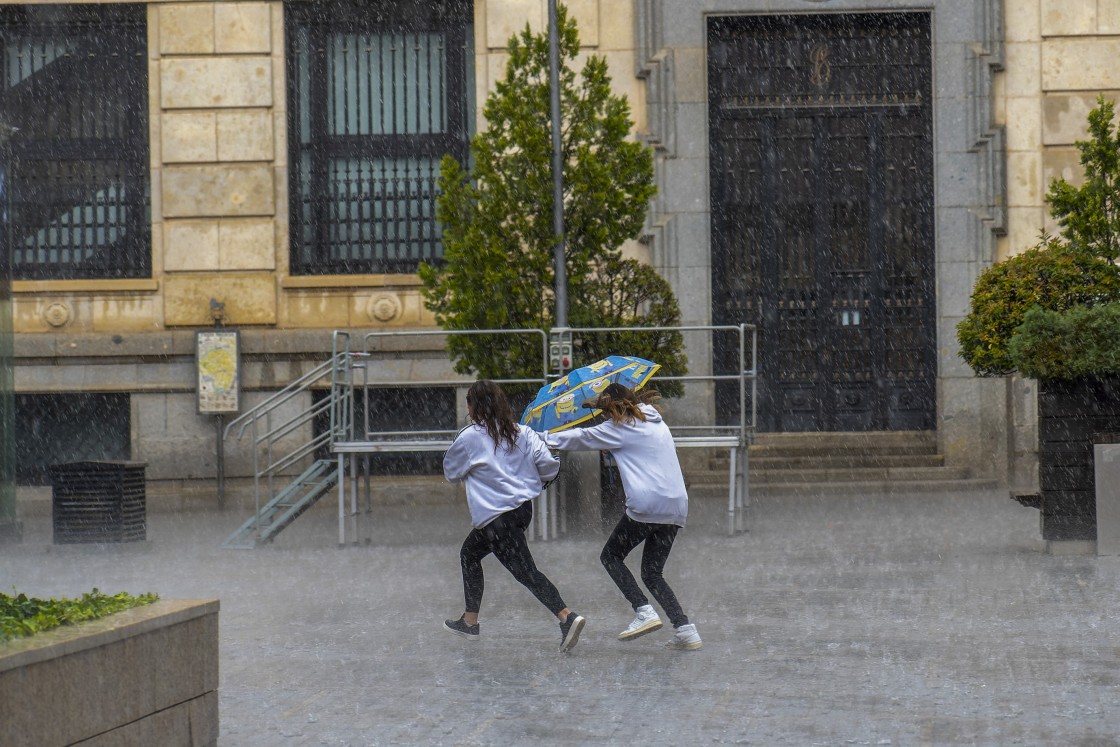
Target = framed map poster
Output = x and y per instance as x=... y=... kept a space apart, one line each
x=217 y=355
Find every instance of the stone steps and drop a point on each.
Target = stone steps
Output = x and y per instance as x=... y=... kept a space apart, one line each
x=777 y=463
x=804 y=463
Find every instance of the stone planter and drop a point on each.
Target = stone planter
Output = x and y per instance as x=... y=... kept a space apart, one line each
x=148 y=675
x=1070 y=415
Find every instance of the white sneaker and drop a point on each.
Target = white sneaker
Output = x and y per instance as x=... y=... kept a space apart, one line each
x=645 y=621
x=686 y=639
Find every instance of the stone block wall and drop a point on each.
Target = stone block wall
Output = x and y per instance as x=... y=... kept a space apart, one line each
x=144 y=676
x=219 y=154
x=218 y=139
x=218 y=76
x=1061 y=54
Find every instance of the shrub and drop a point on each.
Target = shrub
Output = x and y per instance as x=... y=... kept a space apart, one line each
x=1083 y=341
x=1054 y=275
x=627 y=293
x=1051 y=275
x=21 y=615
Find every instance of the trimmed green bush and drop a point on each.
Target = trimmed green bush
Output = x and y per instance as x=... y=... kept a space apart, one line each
x=1083 y=341
x=1078 y=270
x=21 y=615
x=627 y=293
x=1051 y=275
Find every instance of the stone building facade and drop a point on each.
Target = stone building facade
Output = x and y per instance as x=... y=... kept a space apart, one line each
x=1007 y=89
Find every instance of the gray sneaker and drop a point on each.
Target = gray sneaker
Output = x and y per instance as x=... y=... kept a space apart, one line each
x=645 y=621
x=570 y=630
x=686 y=639
x=460 y=628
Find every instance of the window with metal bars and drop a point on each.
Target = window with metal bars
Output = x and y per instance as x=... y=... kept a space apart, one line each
x=71 y=427
x=75 y=163
x=378 y=93
x=397 y=409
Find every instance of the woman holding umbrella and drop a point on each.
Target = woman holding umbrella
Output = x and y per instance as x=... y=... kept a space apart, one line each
x=504 y=466
x=656 y=505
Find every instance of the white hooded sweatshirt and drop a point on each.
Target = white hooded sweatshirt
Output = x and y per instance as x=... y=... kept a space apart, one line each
x=647 y=462
x=499 y=478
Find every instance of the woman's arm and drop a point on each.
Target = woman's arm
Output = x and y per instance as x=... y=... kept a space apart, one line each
x=605 y=436
x=547 y=465
x=458 y=461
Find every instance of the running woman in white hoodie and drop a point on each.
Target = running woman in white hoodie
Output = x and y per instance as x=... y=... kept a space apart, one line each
x=656 y=505
x=504 y=466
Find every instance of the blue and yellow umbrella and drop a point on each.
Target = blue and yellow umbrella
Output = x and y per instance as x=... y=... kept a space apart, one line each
x=559 y=405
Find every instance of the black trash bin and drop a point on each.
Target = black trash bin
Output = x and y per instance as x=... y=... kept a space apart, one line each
x=98 y=502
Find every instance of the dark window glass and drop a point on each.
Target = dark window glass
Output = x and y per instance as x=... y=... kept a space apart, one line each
x=378 y=93
x=400 y=409
x=74 y=100
x=63 y=428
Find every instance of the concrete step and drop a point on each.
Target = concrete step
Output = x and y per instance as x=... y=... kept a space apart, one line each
x=812 y=444
x=840 y=463
x=835 y=475
x=913 y=474
x=834 y=461
x=715 y=491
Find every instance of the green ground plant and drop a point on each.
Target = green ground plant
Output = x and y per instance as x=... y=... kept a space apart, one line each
x=21 y=615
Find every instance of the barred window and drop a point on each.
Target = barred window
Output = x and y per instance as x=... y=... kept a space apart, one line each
x=71 y=427
x=75 y=167
x=378 y=93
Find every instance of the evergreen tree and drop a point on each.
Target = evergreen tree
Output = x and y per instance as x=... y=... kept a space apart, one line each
x=497 y=270
x=1090 y=214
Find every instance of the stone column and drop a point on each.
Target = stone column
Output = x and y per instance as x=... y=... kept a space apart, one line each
x=220 y=79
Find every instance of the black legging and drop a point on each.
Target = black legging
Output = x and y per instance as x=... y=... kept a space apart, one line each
x=505 y=537
x=627 y=535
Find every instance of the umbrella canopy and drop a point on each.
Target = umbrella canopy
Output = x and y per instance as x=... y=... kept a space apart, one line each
x=559 y=405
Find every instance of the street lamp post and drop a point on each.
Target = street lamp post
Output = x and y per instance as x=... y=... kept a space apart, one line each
x=560 y=343
x=10 y=529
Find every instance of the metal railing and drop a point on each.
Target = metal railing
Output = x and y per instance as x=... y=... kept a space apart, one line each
x=276 y=452
x=371 y=441
x=277 y=448
x=734 y=437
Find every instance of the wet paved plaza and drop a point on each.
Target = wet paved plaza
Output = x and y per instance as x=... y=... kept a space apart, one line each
x=837 y=620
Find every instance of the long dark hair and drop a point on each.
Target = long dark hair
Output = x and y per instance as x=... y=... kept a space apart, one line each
x=620 y=403
x=489 y=408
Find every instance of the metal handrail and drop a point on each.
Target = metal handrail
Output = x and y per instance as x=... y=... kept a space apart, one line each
x=746 y=425
x=746 y=375
x=736 y=436
x=267 y=435
x=279 y=398
x=344 y=433
x=464 y=382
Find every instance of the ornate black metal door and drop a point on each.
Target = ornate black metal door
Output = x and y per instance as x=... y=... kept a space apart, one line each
x=822 y=214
